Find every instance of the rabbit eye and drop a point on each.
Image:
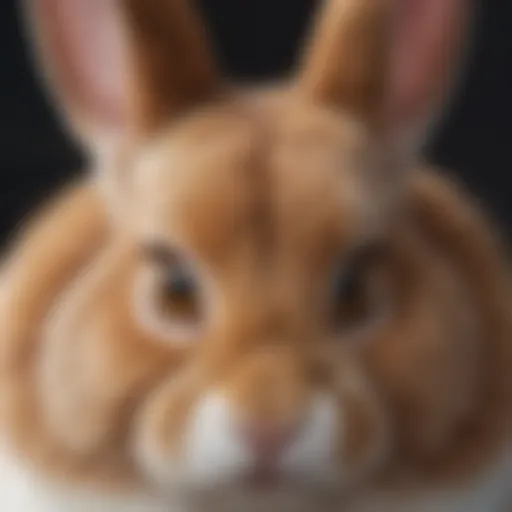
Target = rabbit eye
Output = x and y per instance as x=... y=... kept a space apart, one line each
x=349 y=298
x=170 y=296
x=177 y=285
x=179 y=293
x=180 y=284
x=348 y=287
x=351 y=290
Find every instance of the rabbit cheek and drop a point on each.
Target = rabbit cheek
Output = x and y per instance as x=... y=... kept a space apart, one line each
x=364 y=436
x=161 y=429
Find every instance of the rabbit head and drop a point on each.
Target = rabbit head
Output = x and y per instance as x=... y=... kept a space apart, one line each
x=268 y=311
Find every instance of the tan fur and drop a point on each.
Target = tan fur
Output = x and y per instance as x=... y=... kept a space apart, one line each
x=266 y=194
x=171 y=60
x=360 y=50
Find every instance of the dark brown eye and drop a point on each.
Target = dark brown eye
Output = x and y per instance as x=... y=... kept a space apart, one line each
x=349 y=298
x=348 y=287
x=178 y=290
x=351 y=288
x=180 y=283
x=179 y=293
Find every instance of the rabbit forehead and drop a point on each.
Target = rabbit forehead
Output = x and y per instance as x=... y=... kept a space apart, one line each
x=222 y=172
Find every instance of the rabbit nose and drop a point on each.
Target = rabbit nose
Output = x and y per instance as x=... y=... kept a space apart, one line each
x=267 y=440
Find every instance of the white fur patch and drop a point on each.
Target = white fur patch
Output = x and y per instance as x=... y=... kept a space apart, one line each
x=214 y=452
x=312 y=454
x=22 y=491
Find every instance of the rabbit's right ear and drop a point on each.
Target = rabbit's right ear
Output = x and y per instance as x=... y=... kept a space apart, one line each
x=393 y=62
x=121 y=66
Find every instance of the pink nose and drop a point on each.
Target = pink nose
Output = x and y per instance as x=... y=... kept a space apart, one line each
x=266 y=440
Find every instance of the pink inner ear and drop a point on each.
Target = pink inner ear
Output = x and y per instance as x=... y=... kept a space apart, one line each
x=86 y=47
x=427 y=32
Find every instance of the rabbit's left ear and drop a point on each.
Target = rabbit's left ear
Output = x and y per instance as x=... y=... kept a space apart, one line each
x=117 y=66
x=389 y=61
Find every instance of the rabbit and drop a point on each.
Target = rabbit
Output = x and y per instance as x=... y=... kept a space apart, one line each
x=260 y=298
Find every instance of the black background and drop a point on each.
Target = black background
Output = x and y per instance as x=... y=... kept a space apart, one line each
x=257 y=39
